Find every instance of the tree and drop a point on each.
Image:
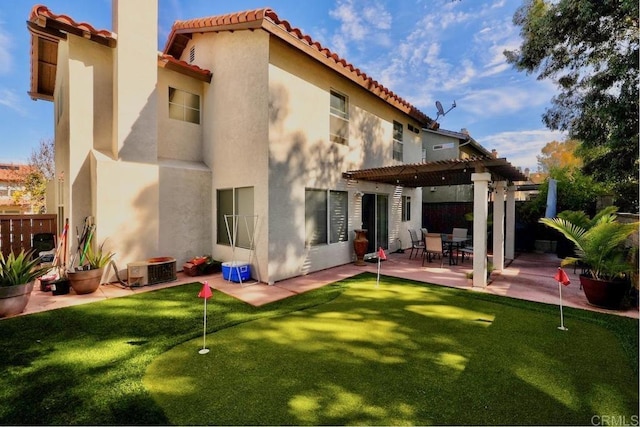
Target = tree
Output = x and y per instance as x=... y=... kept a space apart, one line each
x=559 y=154
x=590 y=49
x=34 y=180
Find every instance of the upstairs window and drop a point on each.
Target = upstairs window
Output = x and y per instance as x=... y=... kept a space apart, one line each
x=397 y=141
x=184 y=106
x=339 y=118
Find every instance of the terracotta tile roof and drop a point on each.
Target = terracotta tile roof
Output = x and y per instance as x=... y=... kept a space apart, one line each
x=12 y=172
x=40 y=12
x=168 y=61
x=47 y=28
x=268 y=20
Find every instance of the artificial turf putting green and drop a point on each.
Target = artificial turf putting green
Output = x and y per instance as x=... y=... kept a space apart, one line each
x=401 y=354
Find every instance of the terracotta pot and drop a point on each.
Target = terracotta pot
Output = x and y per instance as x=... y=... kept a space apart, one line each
x=360 y=245
x=14 y=299
x=85 y=281
x=604 y=293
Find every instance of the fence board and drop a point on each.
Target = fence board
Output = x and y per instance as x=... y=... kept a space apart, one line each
x=16 y=231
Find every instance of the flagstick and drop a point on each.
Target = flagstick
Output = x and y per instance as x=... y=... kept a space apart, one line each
x=561 y=327
x=204 y=350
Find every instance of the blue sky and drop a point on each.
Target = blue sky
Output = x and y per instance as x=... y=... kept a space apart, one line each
x=423 y=50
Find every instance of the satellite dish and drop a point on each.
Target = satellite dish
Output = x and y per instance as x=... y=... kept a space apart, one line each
x=441 y=111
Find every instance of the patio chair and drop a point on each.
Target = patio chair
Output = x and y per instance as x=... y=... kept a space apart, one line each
x=417 y=244
x=460 y=232
x=433 y=247
x=464 y=249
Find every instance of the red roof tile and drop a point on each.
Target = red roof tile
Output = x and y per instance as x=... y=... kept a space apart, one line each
x=40 y=11
x=268 y=20
x=197 y=71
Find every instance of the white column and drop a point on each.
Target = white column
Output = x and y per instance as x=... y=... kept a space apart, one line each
x=480 y=211
x=498 y=225
x=510 y=230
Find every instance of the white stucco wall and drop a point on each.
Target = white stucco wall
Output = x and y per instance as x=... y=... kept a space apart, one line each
x=235 y=129
x=177 y=139
x=301 y=156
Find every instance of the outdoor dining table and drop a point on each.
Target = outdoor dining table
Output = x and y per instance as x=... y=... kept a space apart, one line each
x=454 y=242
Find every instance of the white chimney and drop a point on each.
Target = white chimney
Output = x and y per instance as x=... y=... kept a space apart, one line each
x=135 y=75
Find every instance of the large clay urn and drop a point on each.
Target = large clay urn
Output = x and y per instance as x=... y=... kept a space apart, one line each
x=604 y=293
x=360 y=245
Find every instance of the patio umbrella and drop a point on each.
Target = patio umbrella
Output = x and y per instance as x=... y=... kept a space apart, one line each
x=552 y=199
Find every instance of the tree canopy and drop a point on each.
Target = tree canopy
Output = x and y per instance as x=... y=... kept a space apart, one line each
x=590 y=49
x=556 y=154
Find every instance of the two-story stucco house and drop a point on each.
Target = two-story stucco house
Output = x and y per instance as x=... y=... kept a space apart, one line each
x=233 y=141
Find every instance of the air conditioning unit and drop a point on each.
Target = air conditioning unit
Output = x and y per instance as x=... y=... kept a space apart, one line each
x=151 y=271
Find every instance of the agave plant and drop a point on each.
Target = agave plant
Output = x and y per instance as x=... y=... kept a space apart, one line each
x=98 y=258
x=20 y=269
x=599 y=242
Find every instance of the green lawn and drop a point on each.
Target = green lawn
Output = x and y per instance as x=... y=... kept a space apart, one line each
x=350 y=353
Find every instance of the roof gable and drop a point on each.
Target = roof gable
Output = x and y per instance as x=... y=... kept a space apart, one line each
x=269 y=21
x=48 y=28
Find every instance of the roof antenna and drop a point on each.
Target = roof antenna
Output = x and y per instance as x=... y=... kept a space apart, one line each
x=441 y=111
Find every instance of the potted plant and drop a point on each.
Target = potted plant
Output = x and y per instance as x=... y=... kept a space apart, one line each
x=17 y=277
x=607 y=265
x=86 y=279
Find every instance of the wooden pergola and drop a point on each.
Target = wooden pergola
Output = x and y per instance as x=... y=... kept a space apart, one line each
x=479 y=171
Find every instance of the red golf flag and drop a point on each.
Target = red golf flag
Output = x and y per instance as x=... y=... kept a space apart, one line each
x=381 y=254
x=205 y=292
x=561 y=277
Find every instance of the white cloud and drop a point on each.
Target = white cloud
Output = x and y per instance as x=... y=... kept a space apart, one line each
x=521 y=147
x=12 y=101
x=5 y=56
x=504 y=100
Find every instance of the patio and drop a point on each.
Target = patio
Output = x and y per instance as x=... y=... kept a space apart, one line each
x=528 y=277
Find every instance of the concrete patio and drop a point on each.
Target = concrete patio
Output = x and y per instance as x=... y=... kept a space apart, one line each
x=530 y=277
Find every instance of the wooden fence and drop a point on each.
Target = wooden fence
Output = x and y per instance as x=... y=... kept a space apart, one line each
x=16 y=231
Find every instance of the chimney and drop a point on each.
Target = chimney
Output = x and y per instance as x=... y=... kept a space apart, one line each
x=465 y=131
x=494 y=153
x=135 y=75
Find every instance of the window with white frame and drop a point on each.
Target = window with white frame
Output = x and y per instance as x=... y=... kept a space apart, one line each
x=326 y=216
x=397 y=141
x=235 y=216
x=339 y=118
x=184 y=106
x=406 y=208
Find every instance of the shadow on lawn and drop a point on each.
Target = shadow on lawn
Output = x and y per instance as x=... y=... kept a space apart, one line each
x=398 y=354
x=84 y=364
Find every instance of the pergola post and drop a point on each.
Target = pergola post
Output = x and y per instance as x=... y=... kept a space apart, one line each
x=480 y=212
x=498 y=225
x=510 y=231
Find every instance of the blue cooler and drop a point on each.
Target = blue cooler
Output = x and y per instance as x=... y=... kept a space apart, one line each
x=236 y=271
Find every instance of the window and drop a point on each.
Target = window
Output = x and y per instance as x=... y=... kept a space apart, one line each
x=192 y=54
x=397 y=141
x=339 y=118
x=325 y=216
x=237 y=205
x=443 y=146
x=406 y=208
x=184 y=106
